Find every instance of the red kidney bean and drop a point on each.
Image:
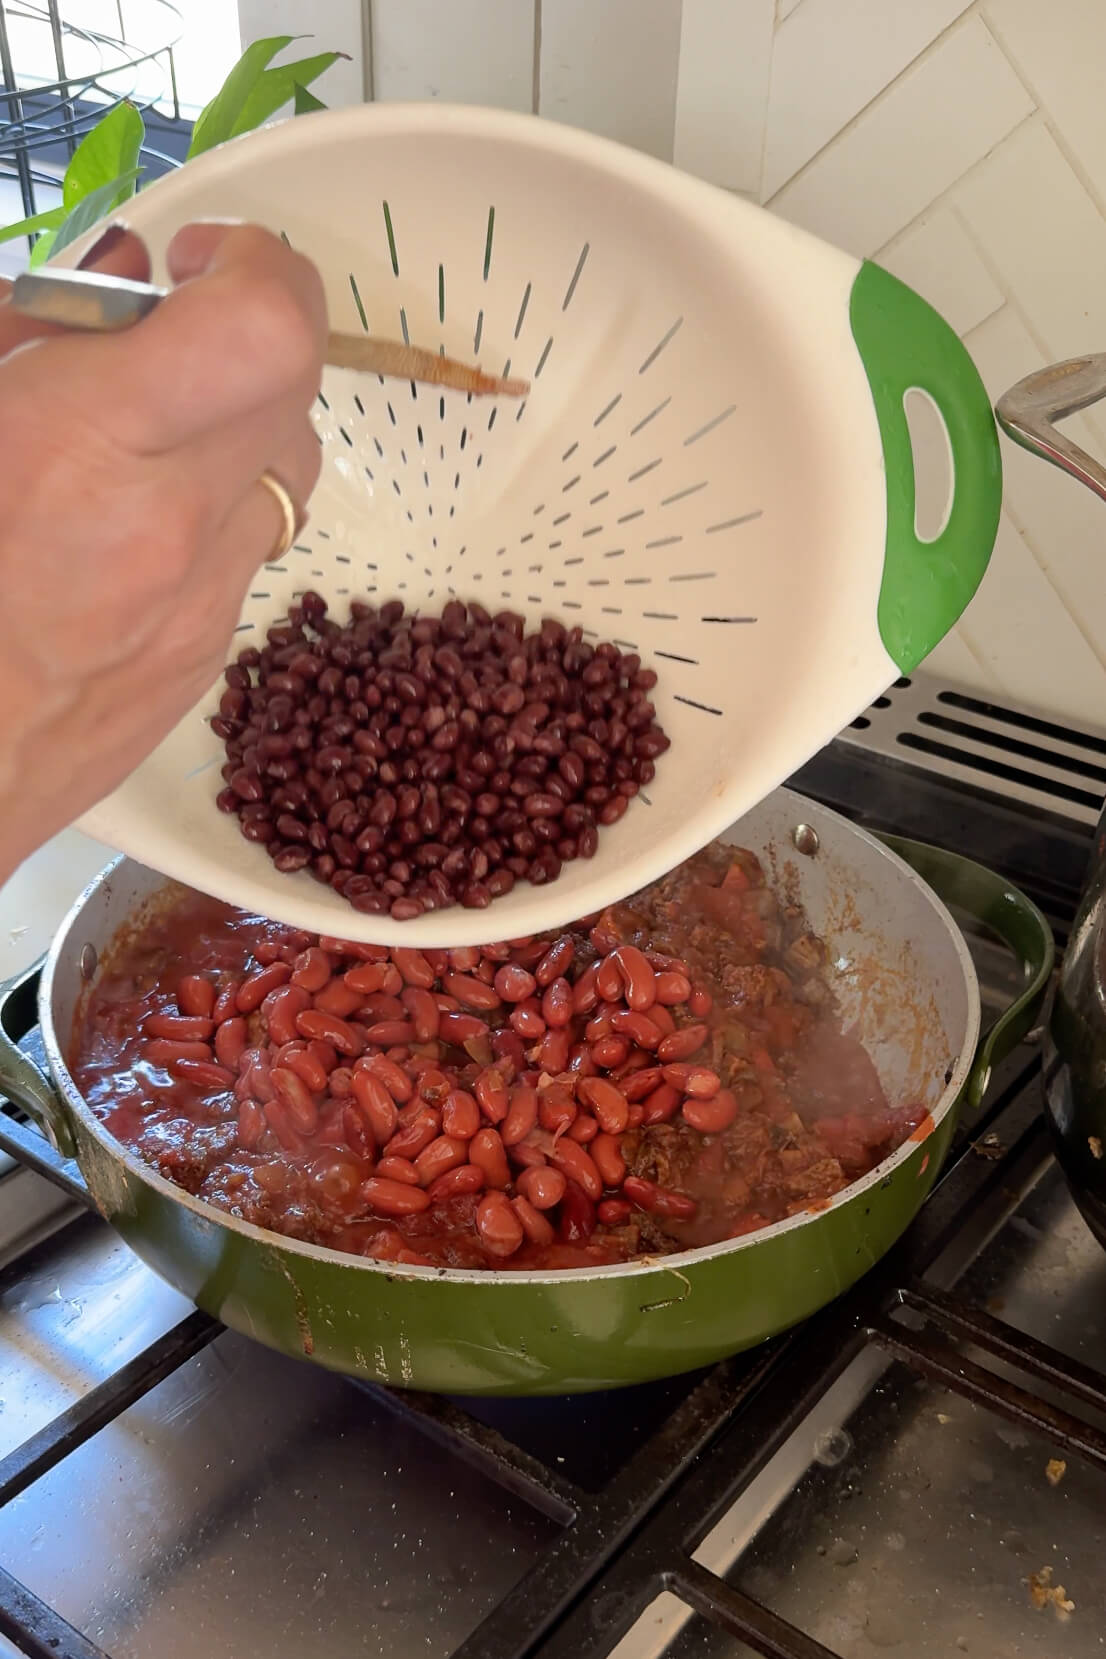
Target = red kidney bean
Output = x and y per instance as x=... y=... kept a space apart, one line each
x=534 y=1224
x=610 y=1052
x=376 y=1103
x=308 y=1069
x=606 y=1154
x=576 y=1216
x=380 y=1006
x=457 y=1028
x=695 y=1080
x=226 y=1003
x=608 y=979
x=526 y=1019
x=293 y=1093
x=413 y=967
x=607 y=1102
x=522 y=1115
x=638 y=1027
x=311 y=970
x=500 y=1229
x=337 y=998
x=279 y=1119
x=254 y=1076
x=713 y=1115
x=196 y=996
x=366 y=978
x=251 y=1125
x=491 y=1094
x=638 y=979
x=542 y=1186
x=471 y=993
x=340 y=1082
x=661 y=1105
x=662 y=1018
x=575 y=1163
x=325 y=1053
x=356 y=1132
x=582 y=1129
x=466 y=1178
x=487 y=1153
x=330 y=1029
x=464 y=958
x=672 y=988
x=394 y=1197
x=231 y=1040
x=514 y=984
x=585 y=994
x=614 y=1212
x=424 y=1012
x=161 y=1051
x=180 y=1028
x=256 y=986
x=580 y=1062
x=393 y=1077
x=556 y=961
x=700 y=1003
x=203 y=1073
x=390 y=1034
x=460 y=1115
x=682 y=1044
x=280 y=1010
x=556 y=1108
x=556 y=1003
x=526 y=1155
x=598 y=1027
x=441 y=1155
x=399 y=1169
x=659 y=1200
x=641 y=1083
x=410 y=1138
x=556 y=1046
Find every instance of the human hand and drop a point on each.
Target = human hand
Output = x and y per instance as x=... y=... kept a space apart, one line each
x=131 y=517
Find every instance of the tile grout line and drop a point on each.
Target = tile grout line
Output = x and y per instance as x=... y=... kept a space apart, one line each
x=1042 y=105
x=877 y=98
x=1038 y=559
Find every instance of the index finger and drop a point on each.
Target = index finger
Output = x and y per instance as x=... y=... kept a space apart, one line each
x=249 y=330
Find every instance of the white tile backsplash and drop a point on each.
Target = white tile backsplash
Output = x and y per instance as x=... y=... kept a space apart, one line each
x=961 y=142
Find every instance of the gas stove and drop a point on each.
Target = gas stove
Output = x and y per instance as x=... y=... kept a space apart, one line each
x=921 y=1467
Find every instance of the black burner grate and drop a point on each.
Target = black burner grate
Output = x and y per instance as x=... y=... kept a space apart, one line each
x=628 y=1526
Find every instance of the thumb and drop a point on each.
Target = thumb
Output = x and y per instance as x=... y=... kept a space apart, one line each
x=118 y=252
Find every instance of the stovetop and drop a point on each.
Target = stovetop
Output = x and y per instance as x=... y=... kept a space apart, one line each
x=920 y=1468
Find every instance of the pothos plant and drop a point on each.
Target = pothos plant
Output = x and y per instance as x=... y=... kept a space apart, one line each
x=104 y=170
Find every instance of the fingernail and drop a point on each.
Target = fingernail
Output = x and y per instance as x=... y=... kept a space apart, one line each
x=103 y=246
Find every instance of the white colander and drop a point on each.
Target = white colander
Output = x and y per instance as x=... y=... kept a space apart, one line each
x=713 y=467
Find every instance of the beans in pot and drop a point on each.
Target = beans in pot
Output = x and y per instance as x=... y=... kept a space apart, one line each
x=678 y=1076
x=418 y=762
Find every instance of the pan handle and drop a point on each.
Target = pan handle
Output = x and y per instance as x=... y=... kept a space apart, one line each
x=1004 y=910
x=21 y=1081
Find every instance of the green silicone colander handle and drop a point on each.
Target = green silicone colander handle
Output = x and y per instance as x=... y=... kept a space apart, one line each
x=903 y=344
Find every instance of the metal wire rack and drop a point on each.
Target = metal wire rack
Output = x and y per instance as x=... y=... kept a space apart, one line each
x=100 y=54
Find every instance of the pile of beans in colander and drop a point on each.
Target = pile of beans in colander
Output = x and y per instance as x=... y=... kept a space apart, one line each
x=417 y=762
x=507 y=1072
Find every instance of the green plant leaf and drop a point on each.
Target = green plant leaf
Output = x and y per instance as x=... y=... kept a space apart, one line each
x=89 y=210
x=277 y=87
x=49 y=220
x=304 y=102
x=217 y=120
x=109 y=152
x=43 y=248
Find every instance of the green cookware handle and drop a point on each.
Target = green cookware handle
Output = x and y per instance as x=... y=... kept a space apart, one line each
x=22 y=1082
x=1006 y=911
x=904 y=345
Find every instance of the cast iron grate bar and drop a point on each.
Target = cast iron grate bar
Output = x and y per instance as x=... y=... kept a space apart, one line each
x=942 y=1363
x=485 y=1450
x=39 y=1453
x=1007 y=1343
x=604 y=1523
x=739 y=1615
x=36 y=1629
